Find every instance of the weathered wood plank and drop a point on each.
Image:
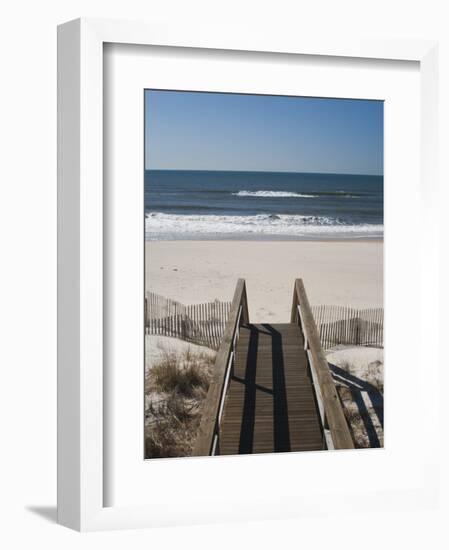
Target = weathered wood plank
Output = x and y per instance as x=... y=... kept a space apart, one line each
x=206 y=431
x=341 y=436
x=270 y=405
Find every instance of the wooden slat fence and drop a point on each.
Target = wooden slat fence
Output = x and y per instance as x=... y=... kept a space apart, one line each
x=202 y=324
x=344 y=325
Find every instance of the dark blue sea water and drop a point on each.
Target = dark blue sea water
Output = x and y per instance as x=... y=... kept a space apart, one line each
x=183 y=204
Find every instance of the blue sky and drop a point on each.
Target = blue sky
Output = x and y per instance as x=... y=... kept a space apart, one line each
x=214 y=131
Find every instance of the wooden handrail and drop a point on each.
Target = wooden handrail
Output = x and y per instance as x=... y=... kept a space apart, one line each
x=333 y=411
x=210 y=421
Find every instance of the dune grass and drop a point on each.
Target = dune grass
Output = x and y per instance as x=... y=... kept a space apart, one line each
x=362 y=399
x=175 y=388
x=187 y=375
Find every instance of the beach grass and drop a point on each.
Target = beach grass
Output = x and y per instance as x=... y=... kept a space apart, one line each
x=176 y=386
x=359 y=382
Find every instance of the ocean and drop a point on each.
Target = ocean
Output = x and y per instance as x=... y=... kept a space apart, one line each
x=186 y=204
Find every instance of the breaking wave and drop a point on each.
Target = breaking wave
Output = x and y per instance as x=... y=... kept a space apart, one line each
x=272 y=194
x=175 y=226
x=311 y=195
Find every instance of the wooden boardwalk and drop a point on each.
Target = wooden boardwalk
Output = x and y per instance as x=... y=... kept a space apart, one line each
x=270 y=404
x=272 y=390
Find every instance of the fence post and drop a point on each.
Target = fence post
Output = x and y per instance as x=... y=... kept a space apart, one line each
x=345 y=325
x=203 y=324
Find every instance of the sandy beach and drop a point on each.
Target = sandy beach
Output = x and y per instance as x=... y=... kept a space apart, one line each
x=346 y=273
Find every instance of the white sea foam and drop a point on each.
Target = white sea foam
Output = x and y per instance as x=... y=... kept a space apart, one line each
x=273 y=194
x=163 y=226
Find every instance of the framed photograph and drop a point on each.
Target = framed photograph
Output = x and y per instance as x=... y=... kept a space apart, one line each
x=236 y=339
x=261 y=186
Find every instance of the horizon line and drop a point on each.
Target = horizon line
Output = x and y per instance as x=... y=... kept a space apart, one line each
x=261 y=171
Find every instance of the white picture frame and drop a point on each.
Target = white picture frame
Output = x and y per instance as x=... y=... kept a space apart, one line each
x=81 y=387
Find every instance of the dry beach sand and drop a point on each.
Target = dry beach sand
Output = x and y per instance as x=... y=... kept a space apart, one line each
x=346 y=273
